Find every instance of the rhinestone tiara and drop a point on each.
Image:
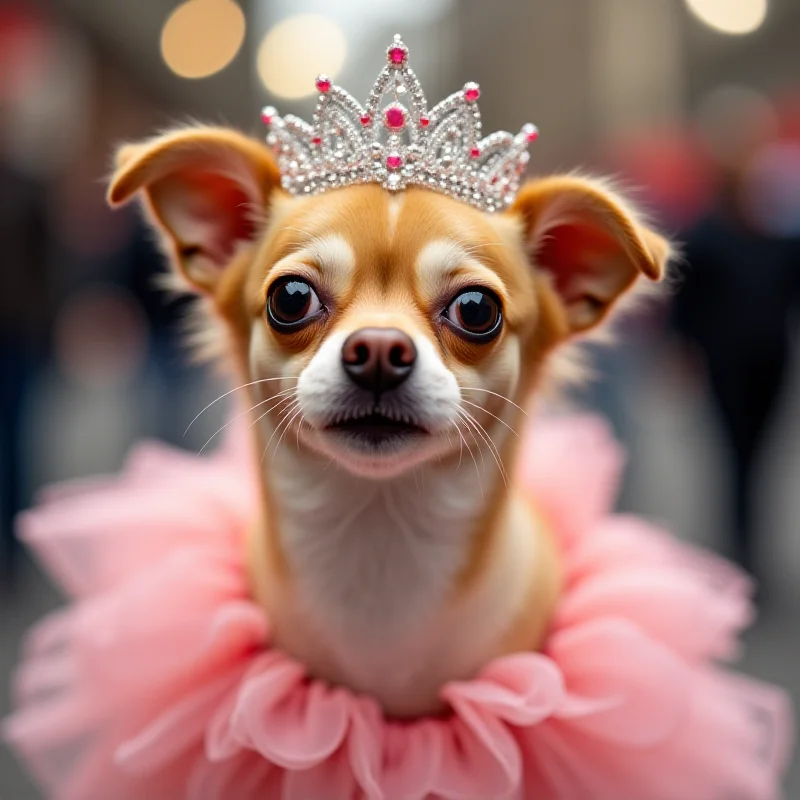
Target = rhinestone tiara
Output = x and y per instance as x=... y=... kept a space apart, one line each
x=399 y=144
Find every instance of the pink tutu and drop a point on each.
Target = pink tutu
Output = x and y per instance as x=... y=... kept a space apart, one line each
x=159 y=682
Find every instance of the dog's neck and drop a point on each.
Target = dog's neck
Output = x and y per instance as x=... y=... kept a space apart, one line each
x=373 y=554
x=394 y=587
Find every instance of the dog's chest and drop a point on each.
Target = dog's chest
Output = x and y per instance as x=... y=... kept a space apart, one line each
x=372 y=556
x=374 y=567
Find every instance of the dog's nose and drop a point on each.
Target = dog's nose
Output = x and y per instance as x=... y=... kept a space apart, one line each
x=378 y=359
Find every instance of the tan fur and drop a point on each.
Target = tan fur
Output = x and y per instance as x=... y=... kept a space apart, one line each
x=559 y=260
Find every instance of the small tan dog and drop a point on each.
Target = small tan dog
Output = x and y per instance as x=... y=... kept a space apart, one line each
x=388 y=343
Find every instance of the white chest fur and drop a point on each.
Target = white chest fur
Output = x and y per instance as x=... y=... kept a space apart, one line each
x=373 y=566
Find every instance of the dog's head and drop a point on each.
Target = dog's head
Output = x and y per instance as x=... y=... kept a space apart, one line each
x=384 y=329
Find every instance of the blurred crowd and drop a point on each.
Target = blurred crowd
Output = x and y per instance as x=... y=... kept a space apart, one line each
x=84 y=325
x=83 y=321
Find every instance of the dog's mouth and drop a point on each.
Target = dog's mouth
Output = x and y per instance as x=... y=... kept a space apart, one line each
x=376 y=427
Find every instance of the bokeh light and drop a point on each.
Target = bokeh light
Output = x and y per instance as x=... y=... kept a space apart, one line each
x=735 y=17
x=298 y=49
x=201 y=37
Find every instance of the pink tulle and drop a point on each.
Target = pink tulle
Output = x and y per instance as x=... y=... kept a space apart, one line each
x=159 y=681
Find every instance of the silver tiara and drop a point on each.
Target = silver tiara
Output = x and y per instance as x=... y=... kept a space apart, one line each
x=399 y=144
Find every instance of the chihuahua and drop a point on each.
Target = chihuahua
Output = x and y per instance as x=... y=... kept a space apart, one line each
x=388 y=343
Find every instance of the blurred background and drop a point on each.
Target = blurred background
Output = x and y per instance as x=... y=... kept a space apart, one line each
x=694 y=104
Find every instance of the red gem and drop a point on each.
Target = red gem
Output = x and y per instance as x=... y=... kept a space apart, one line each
x=494 y=179
x=395 y=118
x=397 y=55
x=317 y=140
x=533 y=135
x=366 y=119
x=474 y=153
x=266 y=118
x=394 y=162
x=323 y=84
x=472 y=93
x=424 y=121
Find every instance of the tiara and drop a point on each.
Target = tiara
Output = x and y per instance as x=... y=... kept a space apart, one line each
x=399 y=144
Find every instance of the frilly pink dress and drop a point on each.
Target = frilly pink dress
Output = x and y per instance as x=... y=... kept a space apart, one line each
x=159 y=681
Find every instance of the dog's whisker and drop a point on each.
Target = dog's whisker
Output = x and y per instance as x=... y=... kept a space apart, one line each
x=240 y=415
x=501 y=396
x=231 y=391
x=493 y=451
x=292 y=405
x=460 y=444
x=299 y=428
x=475 y=247
x=468 y=422
x=460 y=447
x=286 y=428
x=501 y=421
x=290 y=395
x=484 y=434
x=474 y=460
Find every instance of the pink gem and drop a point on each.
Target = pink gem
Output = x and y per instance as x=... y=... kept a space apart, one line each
x=531 y=133
x=424 y=121
x=494 y=179
x=397 y=55
x=394 y=162
x=323 y=84
x=266 y=118
x=472 y=92
x=395 y=118
x=474 y=153
x=317 y=140
x=366 y=119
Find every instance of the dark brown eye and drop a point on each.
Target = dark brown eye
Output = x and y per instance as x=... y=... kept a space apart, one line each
x=291 y=302
x=476 y=313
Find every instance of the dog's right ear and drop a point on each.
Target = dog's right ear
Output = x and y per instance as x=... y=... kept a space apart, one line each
x=204 y=189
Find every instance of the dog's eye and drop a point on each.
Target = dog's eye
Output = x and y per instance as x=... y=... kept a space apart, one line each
x=291 y=303
x=476 y=314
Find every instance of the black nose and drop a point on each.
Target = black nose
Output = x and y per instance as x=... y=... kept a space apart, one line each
x=378 y=359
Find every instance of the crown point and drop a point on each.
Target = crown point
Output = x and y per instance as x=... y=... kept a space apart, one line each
x=366 y=120
x=531 y=132
x=268 y=114
x=323 y=84
x=397 y=54
x=471 y=92
x=424 y=122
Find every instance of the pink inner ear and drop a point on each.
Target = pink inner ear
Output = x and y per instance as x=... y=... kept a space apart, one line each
x=233 y=206
x=574 y=253
x=206 y=211
x=230 y=212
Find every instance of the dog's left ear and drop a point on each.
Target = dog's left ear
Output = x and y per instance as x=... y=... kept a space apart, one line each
x=204 y=190
x=594 y=247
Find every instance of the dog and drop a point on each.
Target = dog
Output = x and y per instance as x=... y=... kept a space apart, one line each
x=388 y=344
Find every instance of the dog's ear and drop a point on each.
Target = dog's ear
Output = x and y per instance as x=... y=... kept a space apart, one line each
x=204 y=189
x=592 y=244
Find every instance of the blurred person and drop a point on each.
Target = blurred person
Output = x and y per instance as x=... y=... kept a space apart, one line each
x=25 y=288
x=736 y=296
x=24 y=318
